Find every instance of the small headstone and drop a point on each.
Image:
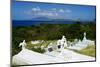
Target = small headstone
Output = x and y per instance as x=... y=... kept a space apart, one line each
x=84 y=36
x=50 y=49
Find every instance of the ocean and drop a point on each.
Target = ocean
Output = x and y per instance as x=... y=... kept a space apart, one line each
x=30 y=23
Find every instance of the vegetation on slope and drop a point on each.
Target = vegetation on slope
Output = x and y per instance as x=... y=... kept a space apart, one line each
x=89 y=50
x=50 y=32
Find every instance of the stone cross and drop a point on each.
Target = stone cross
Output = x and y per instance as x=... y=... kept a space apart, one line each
x=84 y=36
x=61 y=43
x=64 y=41
x=23 y=44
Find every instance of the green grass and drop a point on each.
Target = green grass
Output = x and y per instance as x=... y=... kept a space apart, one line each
x=38 y=49
x=89 y=50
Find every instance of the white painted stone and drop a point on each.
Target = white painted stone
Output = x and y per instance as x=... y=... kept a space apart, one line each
x=23 y=44
x=27 y=57
x=82 y=44
x=62 y=43
x=35 y=42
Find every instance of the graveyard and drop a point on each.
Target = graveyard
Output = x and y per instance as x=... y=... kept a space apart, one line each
x=55 y=51
x=53 y=43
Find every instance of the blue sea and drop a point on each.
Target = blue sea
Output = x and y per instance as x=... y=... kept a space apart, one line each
x=29 y=23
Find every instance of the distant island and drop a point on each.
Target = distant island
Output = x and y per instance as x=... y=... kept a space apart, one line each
x=53 y=21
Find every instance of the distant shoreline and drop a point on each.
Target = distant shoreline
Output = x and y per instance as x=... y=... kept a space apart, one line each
x=16 y=23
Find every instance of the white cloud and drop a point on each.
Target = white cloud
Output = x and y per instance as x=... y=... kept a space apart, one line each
x=61 y=10
x=44 y=14
x=39 y=12
x=36 y=9
x=51 y=13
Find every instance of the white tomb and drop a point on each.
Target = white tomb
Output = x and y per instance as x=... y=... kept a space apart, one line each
x=62 y=43
x=35 y=42
x=86 y=41
x=27 y=57
x=82 y=44
x=50 y=47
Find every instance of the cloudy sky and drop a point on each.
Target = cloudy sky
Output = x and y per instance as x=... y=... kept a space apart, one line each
x=32 y=10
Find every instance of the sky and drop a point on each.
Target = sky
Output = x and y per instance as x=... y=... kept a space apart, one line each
x=34 y=10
